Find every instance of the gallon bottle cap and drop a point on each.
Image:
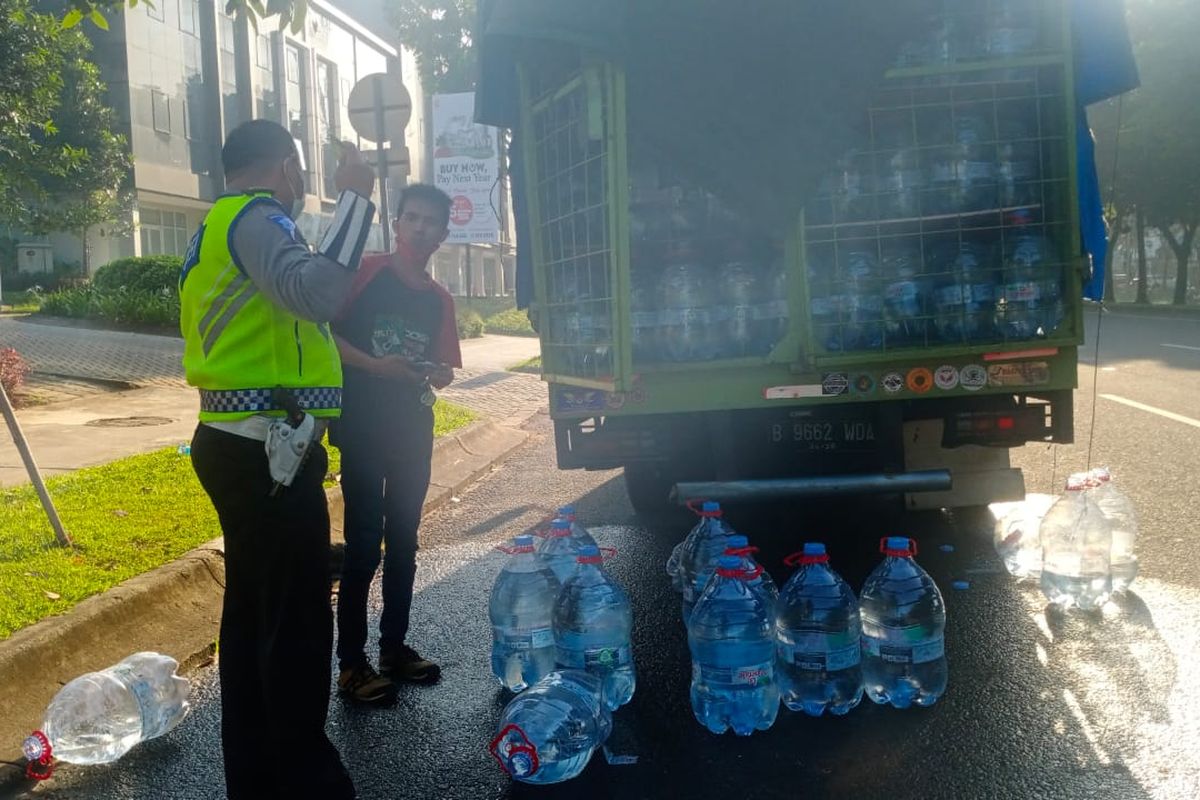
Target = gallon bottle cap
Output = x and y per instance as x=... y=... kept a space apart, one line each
x=560 y=527
x=814 y=548
x=898 y=546
x=589 y=554
x=524 y=540
x=709 y=507
x=735 y=541
x=566 y=512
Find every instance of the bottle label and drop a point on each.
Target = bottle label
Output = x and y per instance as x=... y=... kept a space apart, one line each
x=950 y=295
x=526 y=639
x=756 y=675
x=596 y=659
x=1026 y=292
x=821 y=652
x=919 y=653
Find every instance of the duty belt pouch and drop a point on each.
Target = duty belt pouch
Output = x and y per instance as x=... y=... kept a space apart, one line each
x=289 y=440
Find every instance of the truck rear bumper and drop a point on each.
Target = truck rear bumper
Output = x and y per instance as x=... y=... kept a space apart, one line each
x=757 y=491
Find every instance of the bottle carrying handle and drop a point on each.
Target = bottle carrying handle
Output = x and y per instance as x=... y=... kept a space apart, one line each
x=741 y=574
x=608 y=552
x=800 y=559
x=741 y=551
x=521 y=747
x=40 y=757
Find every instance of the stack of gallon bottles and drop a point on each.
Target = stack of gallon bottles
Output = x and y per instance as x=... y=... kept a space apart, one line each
x=1081 y=547
x=814 y=646
x=561 y=640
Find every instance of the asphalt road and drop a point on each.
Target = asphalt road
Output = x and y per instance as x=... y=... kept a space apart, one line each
x=1039 y=706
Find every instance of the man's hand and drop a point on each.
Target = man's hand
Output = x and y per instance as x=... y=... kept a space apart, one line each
x=441 y=377
x=398 y=368
x=353 y=173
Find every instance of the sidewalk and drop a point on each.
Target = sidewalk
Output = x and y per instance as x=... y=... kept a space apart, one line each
x=161 y=410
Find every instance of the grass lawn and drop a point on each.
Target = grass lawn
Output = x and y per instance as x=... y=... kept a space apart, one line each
x=125 y=518
x=19 y=303
x=512 y=322
x=532 y=366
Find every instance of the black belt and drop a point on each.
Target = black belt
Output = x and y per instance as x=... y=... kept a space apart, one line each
x=237 y=401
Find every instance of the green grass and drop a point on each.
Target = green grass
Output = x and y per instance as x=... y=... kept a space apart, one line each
x=125 y=518
x=20 y=302
x=485 y=306
x=532 y=366
x=511 y=322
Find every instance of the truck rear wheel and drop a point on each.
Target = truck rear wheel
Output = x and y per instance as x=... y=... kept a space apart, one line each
x=649 y=488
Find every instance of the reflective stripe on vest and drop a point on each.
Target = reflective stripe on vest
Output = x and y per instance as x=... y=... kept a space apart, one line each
x=238 y=345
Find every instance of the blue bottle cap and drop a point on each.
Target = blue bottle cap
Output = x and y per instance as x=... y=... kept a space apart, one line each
x=729 y=562
x=814 y=549
x=566 y=511
x=524 y=540
x=561 y=524
x=589 y=550
x=897 y=543
x=709 y=505
x=737 y=540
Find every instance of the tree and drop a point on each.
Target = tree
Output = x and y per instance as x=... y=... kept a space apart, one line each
x=441 y=34
x=1159 y=152
x=64 y=169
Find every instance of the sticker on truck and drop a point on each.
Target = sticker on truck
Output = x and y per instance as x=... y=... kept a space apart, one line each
x=1018 y=374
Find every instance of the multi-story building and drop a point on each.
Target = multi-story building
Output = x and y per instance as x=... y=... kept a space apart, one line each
x=182 y=73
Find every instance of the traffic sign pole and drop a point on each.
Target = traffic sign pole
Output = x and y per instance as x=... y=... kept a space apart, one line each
x=381 y=160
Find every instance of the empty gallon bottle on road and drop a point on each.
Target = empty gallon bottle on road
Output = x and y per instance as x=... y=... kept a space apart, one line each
x=1122 y=518
x=549 y=732
x=703 y=546
x=1017 y=534
x=521 y=610
x=818 y=638
x=99 y=716
x=593 y=622
x=579 y=534
x=559 y=549
x=732 y=642
x=1077 y=549
x=903 y=627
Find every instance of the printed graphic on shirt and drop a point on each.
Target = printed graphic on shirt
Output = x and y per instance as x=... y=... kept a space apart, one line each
x=390 y=337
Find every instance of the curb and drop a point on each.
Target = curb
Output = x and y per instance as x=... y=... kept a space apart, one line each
x=176 y=608
x=1155 y=310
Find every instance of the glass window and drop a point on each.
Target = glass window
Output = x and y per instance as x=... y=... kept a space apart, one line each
x=227 y=33
x=160 y=105
x=163 y=232
x=154 y=10
x=262 y=51
x=189 y=16
x=293 y=64
x=328 y=122
x=297 y=93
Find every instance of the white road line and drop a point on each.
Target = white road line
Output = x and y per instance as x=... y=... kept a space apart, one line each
x=1181 y=346
x=1195 y=423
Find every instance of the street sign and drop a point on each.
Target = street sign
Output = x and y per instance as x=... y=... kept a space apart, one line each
x=380 y=108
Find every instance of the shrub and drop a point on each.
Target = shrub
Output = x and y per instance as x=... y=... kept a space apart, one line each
x=125 y=307
x=146 y=274
x=512 y=322
x=470 y=324
x=13 y=370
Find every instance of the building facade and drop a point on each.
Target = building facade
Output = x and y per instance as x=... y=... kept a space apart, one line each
x=183 y=73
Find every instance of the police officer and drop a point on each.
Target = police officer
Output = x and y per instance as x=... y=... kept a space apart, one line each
x=255 y=301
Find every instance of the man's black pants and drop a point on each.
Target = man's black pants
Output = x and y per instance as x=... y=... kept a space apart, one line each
x=384 y=482
x=276 y=623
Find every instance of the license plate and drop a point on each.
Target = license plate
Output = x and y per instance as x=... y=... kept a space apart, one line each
x=824 y=435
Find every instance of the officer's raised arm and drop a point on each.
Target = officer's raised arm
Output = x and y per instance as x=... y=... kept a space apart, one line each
x=267 y=247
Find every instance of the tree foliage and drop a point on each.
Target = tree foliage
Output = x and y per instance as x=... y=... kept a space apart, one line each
x=441 y=34
x=61 y=163
x=1157 y=150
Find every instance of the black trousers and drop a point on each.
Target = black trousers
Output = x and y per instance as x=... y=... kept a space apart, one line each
x=276 y=623
x=384 y=482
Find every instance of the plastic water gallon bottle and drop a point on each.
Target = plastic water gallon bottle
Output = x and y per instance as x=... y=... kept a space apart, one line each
x=558 y=550
x=704 y=545
x=521 y=610
x=903 y=625
x=1122 y=517
x=99 y=716
x=547 y=734
x=903 y=296
x=739 y=291
x=579 y=534
x=1077 y=550
x=593 y=621
x=732 y=642
x=862 y=303
x=1017 y=535
x=818 y=634
x=686 y=332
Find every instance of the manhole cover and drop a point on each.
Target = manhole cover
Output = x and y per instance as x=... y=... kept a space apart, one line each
x=129 y=422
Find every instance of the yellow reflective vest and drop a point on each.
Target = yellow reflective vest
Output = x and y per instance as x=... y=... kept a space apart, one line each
x=238 y=345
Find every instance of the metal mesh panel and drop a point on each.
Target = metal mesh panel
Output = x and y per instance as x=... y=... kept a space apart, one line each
x=950 y=224
x=570 y=124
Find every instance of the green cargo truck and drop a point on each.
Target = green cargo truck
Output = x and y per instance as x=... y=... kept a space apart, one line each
x=802 y=250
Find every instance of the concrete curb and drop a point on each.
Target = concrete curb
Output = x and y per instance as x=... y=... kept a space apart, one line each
x=176 y=608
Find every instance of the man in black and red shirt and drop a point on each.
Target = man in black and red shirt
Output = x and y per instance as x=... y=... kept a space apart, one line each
x=398 y=341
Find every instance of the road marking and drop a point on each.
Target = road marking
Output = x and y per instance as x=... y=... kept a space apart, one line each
x=1195 y=423
x=1181 y=346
